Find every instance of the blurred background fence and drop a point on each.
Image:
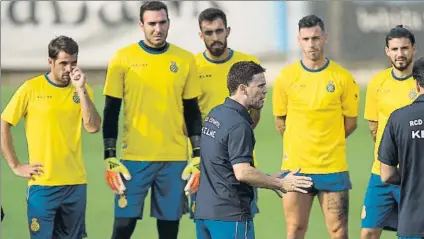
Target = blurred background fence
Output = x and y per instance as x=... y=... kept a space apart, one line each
x=267 y=29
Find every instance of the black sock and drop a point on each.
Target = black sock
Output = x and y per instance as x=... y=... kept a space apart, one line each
x=168 y=229
x=123 y=228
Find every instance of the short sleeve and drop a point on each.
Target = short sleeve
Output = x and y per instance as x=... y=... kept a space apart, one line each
x=192 y=85
x=371 y=109
x=279 y=97
x=350 y=97
x=388 y=150
x=114 y=84
x=17 y=106
x=240 y=144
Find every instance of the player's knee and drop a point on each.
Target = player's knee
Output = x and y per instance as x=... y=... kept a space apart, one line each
x=296 y=230
x=339 y=233
x=123 y=228
x=338 y=229
x=367 y=233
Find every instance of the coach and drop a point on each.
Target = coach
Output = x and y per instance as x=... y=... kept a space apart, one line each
x=403 y=144
x=227 y=175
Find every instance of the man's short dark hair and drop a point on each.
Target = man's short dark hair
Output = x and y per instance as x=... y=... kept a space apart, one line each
x=400 y=32
x=418 y=71
x=241 y=73
x=62 y=43
x=212 y=14
x=311 y=21
x=152 y=6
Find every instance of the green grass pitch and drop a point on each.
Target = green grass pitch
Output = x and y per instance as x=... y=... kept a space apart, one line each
x=268 y=224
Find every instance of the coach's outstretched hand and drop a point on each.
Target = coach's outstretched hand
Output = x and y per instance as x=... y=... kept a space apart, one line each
x=192 y=174
x=293 y=183
x=114 y=170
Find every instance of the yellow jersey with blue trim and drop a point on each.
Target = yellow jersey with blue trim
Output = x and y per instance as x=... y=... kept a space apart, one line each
x=152 y=85
x=315 y=103
x=385 y=94
x=53 y=128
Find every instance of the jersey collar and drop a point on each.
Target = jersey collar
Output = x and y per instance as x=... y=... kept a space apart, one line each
x=230 y=103
x=54 y=84
x=317 y=70
x=151 y=50
x=221 y=61
x=400 y=78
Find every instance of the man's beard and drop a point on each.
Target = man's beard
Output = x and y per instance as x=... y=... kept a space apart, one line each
x=402 y=68
x=217 y=52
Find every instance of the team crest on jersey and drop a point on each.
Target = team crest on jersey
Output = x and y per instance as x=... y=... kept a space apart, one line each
x=413 y=94
x=35 y=226
x=173 y=67
x=76 y=98
x=330 y=87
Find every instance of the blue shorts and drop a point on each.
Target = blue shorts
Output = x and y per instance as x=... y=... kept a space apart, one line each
x=211 y=229
x=331 y=182
x=380 y=209
x=410 y=237
x=168 y=201
x=57 y=211
x=253 y=205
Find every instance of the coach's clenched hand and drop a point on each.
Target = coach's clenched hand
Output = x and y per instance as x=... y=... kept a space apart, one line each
x=293 y=183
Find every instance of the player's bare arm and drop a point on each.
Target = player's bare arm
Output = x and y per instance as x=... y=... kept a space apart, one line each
x=389 y=174
x=373 y=126
x=350 y=124
x=256 y=116
x=280 y=124
x=90 y=115
x=244 y=172
x=22 y=170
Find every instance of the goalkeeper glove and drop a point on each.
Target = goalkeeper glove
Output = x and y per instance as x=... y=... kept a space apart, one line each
x=114 y=170
x=192 y=173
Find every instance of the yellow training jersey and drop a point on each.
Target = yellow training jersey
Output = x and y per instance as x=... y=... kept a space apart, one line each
x=53 y=125
x=385 y=94
x=153 y=86
x=315 y=103
x=213 y=79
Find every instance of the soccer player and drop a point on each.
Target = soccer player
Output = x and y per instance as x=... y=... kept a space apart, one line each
x=158 y=83
x=227 y=170
x=387 y=91
x=213 y=66
x=315 y=104
x=402 y=144
x=55 y=106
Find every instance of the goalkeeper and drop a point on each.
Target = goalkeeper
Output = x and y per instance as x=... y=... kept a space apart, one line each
x=158 y=83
